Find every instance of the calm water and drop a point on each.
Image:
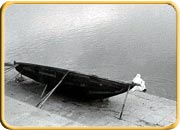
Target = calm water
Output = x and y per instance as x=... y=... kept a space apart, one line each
x=111 y=41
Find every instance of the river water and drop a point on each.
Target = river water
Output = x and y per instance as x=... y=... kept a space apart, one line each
x=112 y=41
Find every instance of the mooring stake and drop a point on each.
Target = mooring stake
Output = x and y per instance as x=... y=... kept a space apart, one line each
x=120 y=117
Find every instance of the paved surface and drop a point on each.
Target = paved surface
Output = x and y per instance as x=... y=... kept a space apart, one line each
x=22 y=114
x=141 y=109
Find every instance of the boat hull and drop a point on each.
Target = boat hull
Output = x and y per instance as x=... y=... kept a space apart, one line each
x=75 y=84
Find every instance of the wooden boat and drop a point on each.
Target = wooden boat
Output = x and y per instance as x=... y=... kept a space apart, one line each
x=74 y=84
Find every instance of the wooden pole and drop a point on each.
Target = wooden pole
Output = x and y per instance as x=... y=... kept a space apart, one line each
x=43 y=91
x=120 y=117
x=44 y=99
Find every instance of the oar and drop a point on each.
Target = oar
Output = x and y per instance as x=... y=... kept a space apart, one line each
x=120 y=117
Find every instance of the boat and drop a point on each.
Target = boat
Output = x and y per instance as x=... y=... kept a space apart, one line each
x=74 y=84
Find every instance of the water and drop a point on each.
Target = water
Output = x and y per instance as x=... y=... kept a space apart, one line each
x=111 y=41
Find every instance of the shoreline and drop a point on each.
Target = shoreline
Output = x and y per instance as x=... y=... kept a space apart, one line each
x=141 y=109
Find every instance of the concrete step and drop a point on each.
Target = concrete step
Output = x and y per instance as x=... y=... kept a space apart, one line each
x=18 y=113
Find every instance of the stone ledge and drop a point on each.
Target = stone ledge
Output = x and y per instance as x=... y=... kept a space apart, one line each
x=141 y=109
x=21 y=114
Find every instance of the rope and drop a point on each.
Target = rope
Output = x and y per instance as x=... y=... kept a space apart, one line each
x=13 y=77
x=10 y=68
x=6 y=68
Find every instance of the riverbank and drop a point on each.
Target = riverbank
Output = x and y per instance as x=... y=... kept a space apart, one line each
x=141 y=109
x=18 y=113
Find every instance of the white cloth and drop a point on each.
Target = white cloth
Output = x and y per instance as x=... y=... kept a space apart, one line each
x=141 y=83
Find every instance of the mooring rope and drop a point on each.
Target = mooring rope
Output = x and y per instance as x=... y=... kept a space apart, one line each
x=6 y=68
x=10 y=68
x=13 y=77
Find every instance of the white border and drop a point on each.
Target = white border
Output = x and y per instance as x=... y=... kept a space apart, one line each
x=177 y=2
